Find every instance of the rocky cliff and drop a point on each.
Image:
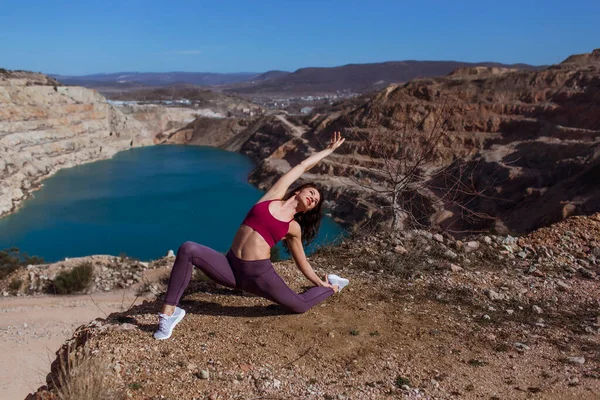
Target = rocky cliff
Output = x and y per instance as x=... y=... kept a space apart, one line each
x=527 y=141
x=45 y=127
x=531 y=139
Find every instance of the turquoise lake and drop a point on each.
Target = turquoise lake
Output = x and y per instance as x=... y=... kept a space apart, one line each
x=142 y=202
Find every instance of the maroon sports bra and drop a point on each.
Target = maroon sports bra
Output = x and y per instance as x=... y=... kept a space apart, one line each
x=262 y=221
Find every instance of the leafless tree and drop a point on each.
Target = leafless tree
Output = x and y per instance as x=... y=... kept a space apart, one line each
x=406 y=157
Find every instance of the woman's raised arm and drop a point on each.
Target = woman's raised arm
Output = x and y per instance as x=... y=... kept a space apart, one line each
x=278 y=190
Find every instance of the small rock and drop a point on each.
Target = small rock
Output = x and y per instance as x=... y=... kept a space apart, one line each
x=587 y=273
x=522 y=254
x=574 y=381
x=405 y=387
x=537 y=309
x=203 y=374
x=562 y=285
x=471 y=246
x=331 y=334
x=4 y=294
x=455 y=268
x=486 y=317
x=170 y=253
x=521 y=346
x=510 y=312
x=487 y=240
x=576 y=360
x=494 y=295
x=400 y=249
x=438 y=237
x=451 y=254
x=276 y=383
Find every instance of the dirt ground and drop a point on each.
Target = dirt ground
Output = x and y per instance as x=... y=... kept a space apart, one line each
x=381 y=338
x=33 y=328
x=424 y=317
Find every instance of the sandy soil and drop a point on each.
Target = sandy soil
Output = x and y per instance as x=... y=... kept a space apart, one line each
x=33 y=328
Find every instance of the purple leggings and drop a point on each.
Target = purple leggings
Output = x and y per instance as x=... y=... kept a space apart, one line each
x=257 y=277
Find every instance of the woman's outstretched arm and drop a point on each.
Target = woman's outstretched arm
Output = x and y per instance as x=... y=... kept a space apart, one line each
x=294 y=241
x=278 y=190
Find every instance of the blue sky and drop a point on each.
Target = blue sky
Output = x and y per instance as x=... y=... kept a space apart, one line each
x=83 y=37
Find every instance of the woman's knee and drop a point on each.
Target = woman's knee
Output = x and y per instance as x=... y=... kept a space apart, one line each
x=186 y=247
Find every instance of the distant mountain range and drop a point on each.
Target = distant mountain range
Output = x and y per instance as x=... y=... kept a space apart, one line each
x=138 y=79
x=351 y=77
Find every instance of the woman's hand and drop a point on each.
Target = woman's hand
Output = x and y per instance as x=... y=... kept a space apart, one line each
x=335 y=142
x=329 y=285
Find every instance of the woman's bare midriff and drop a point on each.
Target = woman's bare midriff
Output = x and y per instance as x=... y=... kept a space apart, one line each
x=249 y=245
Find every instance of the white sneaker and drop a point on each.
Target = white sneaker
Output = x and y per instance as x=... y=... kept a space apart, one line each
x=336 y=280
x=166 y=323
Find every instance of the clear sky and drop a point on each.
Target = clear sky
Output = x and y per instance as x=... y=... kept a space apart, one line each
x=83 y=37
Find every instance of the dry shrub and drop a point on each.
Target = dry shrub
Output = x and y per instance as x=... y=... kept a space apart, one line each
x=75 y=280
x=84 y=376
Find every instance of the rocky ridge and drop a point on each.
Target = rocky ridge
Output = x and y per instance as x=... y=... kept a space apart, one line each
x=425 y=316
x=108 y=273
x=45 y=127
x=529 y=141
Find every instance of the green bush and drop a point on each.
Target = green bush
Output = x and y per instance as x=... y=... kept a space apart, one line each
x=11 y=259
x=15 y=284
x=75 y=280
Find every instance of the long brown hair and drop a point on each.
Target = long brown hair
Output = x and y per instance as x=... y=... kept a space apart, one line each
x=309 y=221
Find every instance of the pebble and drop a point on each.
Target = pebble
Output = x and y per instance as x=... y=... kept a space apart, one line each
x=471 y=246
x=400 y=250
x=451 y=254
x=203 y=374
x=576 y=360
x=537 y=309
x=455 y=268
x=494 y=295
x=574 y=381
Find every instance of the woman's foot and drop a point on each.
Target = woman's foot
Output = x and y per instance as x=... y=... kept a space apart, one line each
x=166 y=323
x=336 y=280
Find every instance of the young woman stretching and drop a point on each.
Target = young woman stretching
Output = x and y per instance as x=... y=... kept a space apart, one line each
x=295 y=216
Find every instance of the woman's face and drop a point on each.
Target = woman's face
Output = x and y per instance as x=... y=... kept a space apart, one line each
x=308 y=198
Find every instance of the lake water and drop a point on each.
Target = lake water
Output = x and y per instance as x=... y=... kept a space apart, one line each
x=143 y=202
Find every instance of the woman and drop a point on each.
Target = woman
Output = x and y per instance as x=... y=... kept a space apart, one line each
x=246 y=266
